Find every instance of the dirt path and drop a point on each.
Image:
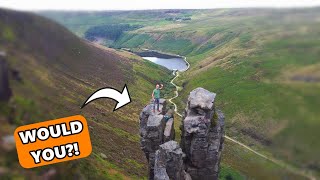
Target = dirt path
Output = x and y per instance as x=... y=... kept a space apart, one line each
x=278 y=162
x=176 y=94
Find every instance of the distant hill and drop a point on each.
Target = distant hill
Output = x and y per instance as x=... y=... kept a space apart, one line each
x=52 y=72
x=263 y=64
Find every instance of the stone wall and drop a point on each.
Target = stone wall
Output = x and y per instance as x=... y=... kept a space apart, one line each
x=202 y=139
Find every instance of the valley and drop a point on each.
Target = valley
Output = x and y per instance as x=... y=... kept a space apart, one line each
x=260 y=62
x=279 y=163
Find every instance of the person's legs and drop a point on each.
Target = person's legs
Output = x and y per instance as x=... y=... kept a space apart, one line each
x=154 y=104
x=158 y=102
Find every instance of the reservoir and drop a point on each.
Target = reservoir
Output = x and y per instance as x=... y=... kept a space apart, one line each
x=173 y=63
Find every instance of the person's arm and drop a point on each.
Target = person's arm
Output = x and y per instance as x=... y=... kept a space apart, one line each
x=152 y=94
x=161 y=86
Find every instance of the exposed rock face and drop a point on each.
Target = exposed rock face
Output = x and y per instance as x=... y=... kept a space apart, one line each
x=169 y=132
x=152 y=127
x=202 y=135
x=5 y=91
x=201 y=140
x=169 y=162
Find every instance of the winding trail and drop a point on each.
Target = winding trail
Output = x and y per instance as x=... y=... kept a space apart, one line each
x=275 y=161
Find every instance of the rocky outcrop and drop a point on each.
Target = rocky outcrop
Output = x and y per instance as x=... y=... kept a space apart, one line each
x=201 y=140
x=202 y=135
x=169 y=132
x=152 y=127
x=5 y=91
x=169 y=162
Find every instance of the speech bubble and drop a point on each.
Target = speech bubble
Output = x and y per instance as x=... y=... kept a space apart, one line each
x=53 y=141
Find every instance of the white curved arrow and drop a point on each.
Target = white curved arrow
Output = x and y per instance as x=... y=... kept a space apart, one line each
x=111 y=93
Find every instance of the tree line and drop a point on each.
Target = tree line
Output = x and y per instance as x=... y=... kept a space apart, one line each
x=109 y=31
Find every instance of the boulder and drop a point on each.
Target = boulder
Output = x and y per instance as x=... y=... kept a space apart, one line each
x=8 y=143
x=169 y=162
x=201 y=98
x=103 y=156
x=169 y=133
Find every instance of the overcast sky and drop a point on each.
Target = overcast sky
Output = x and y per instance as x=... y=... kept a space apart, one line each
x=149 y=4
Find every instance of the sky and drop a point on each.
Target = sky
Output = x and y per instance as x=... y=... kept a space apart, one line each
x=150 y=4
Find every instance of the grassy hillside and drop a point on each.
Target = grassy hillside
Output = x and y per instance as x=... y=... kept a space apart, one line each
x=263 y=63
x=52 y=72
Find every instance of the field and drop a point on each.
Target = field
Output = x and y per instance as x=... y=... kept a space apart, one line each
x=263 y=64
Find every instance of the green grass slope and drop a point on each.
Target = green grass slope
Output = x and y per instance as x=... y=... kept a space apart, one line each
x=263 y=63
x=52 y=72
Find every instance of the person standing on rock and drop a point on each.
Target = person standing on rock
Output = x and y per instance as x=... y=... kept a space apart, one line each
x=156 y=97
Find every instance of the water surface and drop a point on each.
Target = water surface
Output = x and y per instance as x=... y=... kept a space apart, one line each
x=170 y=63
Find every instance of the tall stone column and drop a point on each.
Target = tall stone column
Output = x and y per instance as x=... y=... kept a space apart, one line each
x=202 y=135
x=152 y=127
